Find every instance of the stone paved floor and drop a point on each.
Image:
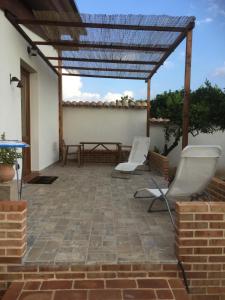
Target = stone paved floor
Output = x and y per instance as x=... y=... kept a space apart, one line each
x=86 y=216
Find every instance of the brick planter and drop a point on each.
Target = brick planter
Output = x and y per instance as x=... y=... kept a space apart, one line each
x=160 y=164
x=200 y=245
x=12 y=231
x=216 y=189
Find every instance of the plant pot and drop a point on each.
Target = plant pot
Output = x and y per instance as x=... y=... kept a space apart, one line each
x=7 y=172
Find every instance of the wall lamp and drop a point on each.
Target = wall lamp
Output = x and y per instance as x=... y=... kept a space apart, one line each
x=32 y=51
x=14 y=79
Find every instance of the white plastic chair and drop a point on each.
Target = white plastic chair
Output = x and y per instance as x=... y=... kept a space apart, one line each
x=196 y=169
x=137 y=157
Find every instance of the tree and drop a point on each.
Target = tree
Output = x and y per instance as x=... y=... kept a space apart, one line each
x=207 y=111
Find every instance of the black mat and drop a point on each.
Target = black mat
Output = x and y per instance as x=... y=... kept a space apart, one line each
x=43 y=180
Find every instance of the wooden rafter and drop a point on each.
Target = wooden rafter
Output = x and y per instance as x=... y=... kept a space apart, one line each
x=101 y=76
x=102 y=69
x=72 y=44
x=112 y=61
x=177 y=42
x=167 y=54
x=101 y=25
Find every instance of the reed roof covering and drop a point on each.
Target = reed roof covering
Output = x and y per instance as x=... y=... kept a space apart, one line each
x=114 y=46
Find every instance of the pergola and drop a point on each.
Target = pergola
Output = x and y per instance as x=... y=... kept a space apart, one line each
x=110 y=46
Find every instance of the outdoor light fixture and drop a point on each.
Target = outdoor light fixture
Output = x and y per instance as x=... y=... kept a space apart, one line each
x=32 y=51
x=14 y=79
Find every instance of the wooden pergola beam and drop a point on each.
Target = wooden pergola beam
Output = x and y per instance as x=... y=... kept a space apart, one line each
x=102 y=69
x=179 y=39
x=102 y=76
x=101 y=25
x=112 y=61
x=72 y=44
x=187 y=89
x=148 y=106
x=60 y=96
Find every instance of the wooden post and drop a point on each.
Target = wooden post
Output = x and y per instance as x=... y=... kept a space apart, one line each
x=187 y=84
x=60 y=95
x=148 y=106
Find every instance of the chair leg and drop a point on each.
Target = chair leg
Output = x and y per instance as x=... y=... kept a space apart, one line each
x=113 y=175
x=141 y=197
x=66 y=155
x=169 y=209
x=152 y=203
x=79 y=157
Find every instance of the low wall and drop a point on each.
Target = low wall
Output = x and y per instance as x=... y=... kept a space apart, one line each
x=200 y=245
x=12 y=231
x=122 y=124
x=216 y=189
x=160 y=164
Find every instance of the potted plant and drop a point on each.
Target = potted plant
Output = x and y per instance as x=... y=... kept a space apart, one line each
x=7 y=160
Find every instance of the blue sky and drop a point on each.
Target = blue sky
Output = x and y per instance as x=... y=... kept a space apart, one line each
x=208 y=47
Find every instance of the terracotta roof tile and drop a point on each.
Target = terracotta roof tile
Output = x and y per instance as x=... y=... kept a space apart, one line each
x=112 y=104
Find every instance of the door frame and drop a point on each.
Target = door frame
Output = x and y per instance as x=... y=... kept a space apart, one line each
x=26 y=151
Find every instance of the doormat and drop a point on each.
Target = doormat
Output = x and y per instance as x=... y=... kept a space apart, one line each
x=43 y=180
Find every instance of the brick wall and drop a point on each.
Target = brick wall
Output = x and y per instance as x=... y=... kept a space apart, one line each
x=216 y=189
x=200 y=245
x=160 y=164
x=87 y=274
x=12 y=231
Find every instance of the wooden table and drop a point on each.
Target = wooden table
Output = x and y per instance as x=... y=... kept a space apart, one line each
x=103 y=145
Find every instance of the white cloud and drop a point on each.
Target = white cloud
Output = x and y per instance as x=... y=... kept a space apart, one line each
x=220 y=71
x=116 y=96
x=128 y=93
x=72 y=87
x=168 y=64
x=204 y=21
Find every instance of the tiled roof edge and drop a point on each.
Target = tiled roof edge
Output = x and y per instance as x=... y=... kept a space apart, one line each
x=112 y=104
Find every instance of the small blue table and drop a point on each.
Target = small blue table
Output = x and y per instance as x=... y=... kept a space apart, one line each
x=17 y=145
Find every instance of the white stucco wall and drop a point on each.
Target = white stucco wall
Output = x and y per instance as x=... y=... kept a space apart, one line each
x=217 y=138
x=43 y=100
x=105 y=124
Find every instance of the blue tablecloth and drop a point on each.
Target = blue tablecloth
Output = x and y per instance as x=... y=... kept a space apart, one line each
x=13 y=144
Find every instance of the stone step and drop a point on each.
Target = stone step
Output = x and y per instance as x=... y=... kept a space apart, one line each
x=98 y=289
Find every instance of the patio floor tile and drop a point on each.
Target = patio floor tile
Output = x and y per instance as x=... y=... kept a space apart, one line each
x=86 y=216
